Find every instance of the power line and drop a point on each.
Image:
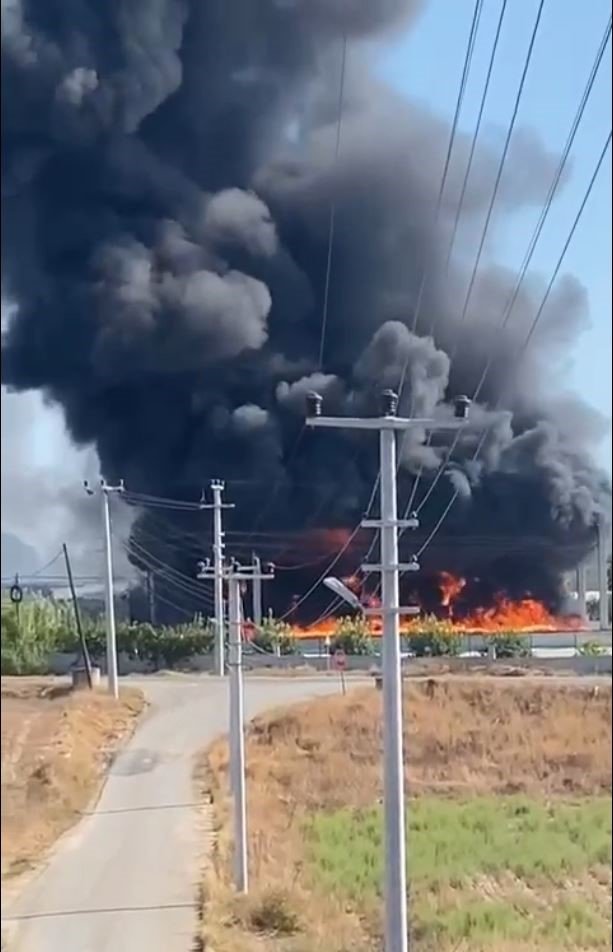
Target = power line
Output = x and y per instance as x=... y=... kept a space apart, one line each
x=446 y=165
x=453 y=132
x=488 y=217
x=272 y=496
x=334 y=561
x=501 y=165
x=47 y=565
x=333 y=606
x=167 y=601
x=462 y=89
x=533 y=327
x=176 y=582
x=302 y=565
x=474 y=26
x=328 y=275
x=332 y=219
x=532 y=244
x=143 y=500
x=320 y=579
x=177 y=540
x=475 y=137
x=179 y=579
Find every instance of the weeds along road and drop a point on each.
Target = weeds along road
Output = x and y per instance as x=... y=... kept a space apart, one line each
x=124 y=879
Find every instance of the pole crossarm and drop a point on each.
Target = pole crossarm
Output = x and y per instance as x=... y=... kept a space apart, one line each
x=243 y=573
x=412 y=523
x=394 y=567
x=385 y=423
x=217 y=486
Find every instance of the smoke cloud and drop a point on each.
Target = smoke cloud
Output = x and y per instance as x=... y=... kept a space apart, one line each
x=168 y=175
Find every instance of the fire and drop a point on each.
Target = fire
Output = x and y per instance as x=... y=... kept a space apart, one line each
x=523 y=615
x=450 y=587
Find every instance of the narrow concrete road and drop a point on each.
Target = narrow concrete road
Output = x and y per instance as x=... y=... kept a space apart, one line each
x=124 y=880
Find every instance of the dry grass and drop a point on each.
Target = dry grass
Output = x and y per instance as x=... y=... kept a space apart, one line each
x=463 y=737
x=55 y=746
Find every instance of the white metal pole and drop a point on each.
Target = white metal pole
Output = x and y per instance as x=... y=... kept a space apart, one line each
x=581 y=589
x=218 y=546
x=396 y=939
x=603 y=602
x=111 y=638
x=232 y=725
x=257 y=592
x=237 y=740
x=151 y=597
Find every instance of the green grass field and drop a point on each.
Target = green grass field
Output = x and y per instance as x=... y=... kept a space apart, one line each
x=482 y=871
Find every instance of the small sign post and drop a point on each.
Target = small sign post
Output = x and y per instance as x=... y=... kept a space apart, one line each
x=340 y=665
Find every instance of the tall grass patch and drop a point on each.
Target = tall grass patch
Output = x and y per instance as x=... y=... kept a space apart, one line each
x=479 y=869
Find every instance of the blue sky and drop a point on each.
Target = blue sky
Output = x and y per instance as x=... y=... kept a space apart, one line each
x=427 y=63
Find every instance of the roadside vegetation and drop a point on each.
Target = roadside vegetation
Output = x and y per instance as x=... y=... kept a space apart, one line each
x=56 y=745
x=44 y=626
x=509 y=842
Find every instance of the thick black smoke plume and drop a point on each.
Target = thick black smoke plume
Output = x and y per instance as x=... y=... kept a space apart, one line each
x=168 y=175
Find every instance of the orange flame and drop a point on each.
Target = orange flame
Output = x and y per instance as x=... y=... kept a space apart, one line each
x=521 y=616
x=527 y=615
x=450 y=587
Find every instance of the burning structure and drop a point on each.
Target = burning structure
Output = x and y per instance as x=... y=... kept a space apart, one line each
x=168 y=179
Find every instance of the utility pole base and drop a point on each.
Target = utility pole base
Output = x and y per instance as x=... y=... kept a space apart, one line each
x=80 y=680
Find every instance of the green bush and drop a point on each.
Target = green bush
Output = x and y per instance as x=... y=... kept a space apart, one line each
x=164 y=646
x=434 y=637
x=21 y=654
x=275 y=637
x=591 y=649
x=45 y=626
x=29 y=637
x=509 y=645
x=352 y=636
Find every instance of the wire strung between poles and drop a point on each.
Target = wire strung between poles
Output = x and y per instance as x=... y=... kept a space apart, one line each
x=533 y=327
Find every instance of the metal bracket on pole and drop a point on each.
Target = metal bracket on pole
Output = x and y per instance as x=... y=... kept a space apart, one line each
x=394 y=567
x=412 y=523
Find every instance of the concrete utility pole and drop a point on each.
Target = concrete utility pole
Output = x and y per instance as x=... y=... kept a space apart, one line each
x=581 y=590
x=150 y=577
x=257 y=592
x=603 y=588
x=217 y=488
x=396 y=923
x=236 y=575
x=77 y=617
x=111 y=636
